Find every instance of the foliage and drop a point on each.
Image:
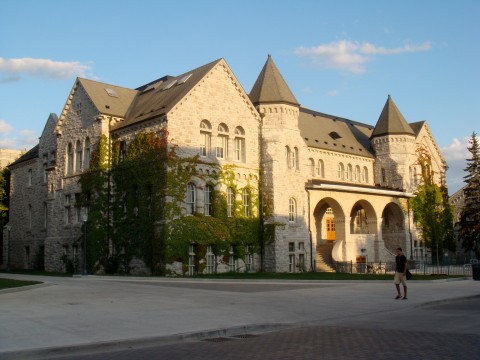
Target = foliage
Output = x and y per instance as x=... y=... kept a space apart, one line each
x=469 y=224
x=4 y=194
x=432 y=211
x=136 y=207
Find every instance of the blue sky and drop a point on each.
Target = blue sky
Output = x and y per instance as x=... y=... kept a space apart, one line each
x=338 y=57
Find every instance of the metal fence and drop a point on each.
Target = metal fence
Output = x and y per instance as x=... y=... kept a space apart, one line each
x=415 y=267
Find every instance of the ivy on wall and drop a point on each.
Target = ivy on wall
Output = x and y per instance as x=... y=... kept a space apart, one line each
x=136 y=198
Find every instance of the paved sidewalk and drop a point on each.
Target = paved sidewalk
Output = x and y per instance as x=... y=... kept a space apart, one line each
x=70 y=315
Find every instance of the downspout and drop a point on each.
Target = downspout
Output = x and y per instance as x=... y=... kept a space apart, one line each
x=409 y=230
x=260 y=191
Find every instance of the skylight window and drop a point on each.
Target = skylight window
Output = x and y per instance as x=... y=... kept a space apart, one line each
x=111 y=92
x=334 y=135
x=184 y=79
x=169 y=85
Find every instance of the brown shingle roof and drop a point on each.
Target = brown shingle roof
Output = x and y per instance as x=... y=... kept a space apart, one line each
x=391 y=121
x=328 y=132
x=270 y=86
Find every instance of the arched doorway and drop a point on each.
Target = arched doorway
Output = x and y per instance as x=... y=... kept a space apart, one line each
x=393 y=227
x=325 y=232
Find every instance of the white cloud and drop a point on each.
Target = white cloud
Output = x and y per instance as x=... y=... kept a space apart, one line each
x=41 y=67
x=455 y=155
x=333 y=93
x=5 y=127
x=351 y=56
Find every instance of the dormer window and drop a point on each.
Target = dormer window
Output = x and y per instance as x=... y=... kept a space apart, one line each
x=334 y=135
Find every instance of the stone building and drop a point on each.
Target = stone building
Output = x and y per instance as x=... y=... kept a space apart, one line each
x=336 y=190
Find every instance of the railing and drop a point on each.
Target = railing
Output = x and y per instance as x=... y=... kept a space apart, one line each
x=415 y=267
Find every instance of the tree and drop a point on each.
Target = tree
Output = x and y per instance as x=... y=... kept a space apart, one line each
x=432 y=211
x=469 y=232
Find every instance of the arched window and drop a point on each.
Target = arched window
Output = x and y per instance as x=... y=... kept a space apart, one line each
x=70 y=159
x=341 y=171
x=357 y=174
x=87 y=152
x=230 y=202
x=312 y=166
x=205 y=137
x=292 y=210
x=365 y=174
x=288 y=156
x=239 y=144
x=349 y=172
x=222 y=141
x=383 y=176
x=191 y=202
x=246 y=203
x=78 y=156
x=122 y=151
x=208 y=201
x=320 y=169
x=295 y=159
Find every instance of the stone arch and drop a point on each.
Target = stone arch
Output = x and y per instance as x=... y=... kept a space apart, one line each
x=393 y=226
x=363 y=218
x=322 y=215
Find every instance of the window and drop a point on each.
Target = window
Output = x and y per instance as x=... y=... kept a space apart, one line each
x=29 y=216
x=86 y=160
x=295 y=159
x=122 y=151
x=357 y=173
x=246 y=203
x=68 y=210
x=231 y=260
x=312 y=167
x=301 y=262
x=365 y=174
x=349 y=172
x=208 y=201
x=191 y=260
x=30 y=176
x=191 y=199
x=291 y=263
x=384 y=176
x=45 y=215
x=69 y=158
x=320 y=169
x=341 y=172
x=210 y=266
x=301 y=246
x=288 y=156
x=45 y=163
x=205 y=138
x=78 y=157
x=222 y=142
x=291 y=246
x=248 y=258
x=230 y=202
x=292 y=210
x=239 y=144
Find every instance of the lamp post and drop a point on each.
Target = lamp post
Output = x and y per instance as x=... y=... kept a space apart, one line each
x=85 y=218
x=8 y=248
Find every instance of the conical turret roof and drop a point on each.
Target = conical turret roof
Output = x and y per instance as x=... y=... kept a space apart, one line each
x=270 y=86
x=391 y=121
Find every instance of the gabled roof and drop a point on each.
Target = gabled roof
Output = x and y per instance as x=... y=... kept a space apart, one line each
x=158 y=97
x=109 y=99
x=417 y=126
x=391 y=121
x=270 y=87
x=328 y=132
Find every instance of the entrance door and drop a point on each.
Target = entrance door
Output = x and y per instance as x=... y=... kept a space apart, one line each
x=330 y=228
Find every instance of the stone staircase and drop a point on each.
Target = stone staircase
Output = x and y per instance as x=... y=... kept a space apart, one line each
x=324 y=261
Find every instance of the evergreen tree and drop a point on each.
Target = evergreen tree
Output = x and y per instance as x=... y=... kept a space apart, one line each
x=469 y=232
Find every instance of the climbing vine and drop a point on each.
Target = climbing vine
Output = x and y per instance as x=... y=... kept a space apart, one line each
x=136 y=201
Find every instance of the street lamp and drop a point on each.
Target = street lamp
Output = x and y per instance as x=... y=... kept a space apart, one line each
x=8 y=248
x=85 y=218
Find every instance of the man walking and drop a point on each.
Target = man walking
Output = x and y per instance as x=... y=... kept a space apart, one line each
x=401 y=267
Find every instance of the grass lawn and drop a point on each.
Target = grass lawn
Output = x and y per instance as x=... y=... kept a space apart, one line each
x=10 y=283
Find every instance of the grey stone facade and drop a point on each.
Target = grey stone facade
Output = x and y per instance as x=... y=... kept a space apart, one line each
x=328 y=181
